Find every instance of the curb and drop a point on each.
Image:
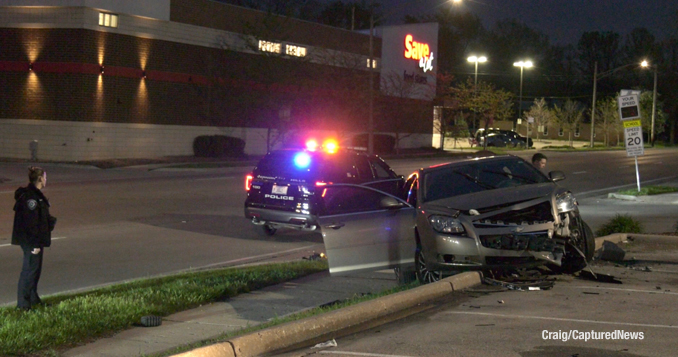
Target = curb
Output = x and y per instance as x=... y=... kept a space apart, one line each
x=622 y=197
x=625 y=237
x=296 y=332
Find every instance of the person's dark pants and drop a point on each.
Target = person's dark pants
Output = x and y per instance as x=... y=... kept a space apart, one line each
x=27 y=295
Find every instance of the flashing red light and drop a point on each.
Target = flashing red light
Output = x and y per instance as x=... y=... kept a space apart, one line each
x=320 y=183
x=312 y=145
x=248 y=182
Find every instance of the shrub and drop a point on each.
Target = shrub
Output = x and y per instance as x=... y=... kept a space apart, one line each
x=383 y=143
x=218 y=146
x=620 y=224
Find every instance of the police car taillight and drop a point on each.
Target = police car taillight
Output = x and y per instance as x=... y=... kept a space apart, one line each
x=248 y=182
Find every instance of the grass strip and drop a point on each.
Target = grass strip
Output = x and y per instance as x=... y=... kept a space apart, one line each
x=74 y=319
x=649 y=190
x=285 y=319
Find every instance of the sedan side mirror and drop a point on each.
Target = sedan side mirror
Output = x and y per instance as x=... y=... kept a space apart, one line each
x=390 y=203
x=556 y=176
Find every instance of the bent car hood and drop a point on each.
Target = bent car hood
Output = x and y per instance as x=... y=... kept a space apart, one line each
x=497 y=197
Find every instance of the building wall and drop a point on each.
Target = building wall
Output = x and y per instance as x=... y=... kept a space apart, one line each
x=148 y=78
x=157 y=9
x=83 y=141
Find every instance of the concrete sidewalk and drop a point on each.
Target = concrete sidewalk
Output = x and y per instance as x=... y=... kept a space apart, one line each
x=263 y=305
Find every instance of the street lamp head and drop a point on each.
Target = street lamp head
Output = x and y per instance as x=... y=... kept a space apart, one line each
x=475 y=59
x=645 y=63
x=524 y=64
x=456 y=2
x=482 y=59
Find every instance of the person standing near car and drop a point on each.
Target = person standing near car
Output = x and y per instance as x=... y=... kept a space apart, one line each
x=539 y=160
x=32 y=231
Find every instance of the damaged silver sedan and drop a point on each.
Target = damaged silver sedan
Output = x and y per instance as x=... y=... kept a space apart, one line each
x=495 y=212
x=472 y=214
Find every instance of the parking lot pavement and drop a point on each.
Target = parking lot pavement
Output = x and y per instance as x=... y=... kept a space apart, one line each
x=632 y=316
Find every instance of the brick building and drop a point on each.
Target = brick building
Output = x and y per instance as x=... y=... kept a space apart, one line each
x=97 y=79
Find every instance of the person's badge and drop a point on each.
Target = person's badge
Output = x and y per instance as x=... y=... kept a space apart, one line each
x=32 y=204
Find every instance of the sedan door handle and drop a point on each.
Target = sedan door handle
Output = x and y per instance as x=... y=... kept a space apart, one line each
x=336 y=225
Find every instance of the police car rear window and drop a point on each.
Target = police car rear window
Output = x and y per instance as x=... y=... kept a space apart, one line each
x=289 y=163
x=308 y=165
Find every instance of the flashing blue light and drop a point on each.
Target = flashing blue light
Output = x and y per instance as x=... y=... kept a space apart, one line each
x=302 y=160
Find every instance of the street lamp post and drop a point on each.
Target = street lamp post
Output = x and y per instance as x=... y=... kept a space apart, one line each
x=476 y=60
x=521 y=64
x=654 y=99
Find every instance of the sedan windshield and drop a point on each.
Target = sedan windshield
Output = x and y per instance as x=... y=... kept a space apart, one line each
x=476 y=176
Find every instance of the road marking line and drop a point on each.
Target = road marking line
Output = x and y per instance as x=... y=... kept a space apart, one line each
x=658 y=292
x=8 y=244
x=560 y=319
x=334 y=352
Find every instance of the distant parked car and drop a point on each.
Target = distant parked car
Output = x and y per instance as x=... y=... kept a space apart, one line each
x=501 y=138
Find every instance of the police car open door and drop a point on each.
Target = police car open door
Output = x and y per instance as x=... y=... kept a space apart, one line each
x=365 y=229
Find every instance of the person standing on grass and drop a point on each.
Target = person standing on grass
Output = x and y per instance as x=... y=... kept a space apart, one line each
x=539 y=160
x=32 y=231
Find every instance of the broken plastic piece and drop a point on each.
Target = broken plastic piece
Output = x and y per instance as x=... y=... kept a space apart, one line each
x=330 y=343
x=603 y=278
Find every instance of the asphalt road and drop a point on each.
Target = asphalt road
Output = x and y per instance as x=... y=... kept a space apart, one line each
x=128 y=223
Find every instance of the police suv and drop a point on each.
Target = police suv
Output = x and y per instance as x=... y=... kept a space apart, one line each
x=282 y=188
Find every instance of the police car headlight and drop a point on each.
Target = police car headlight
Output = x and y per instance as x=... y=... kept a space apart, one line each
x=446 y=224
x=566 y=202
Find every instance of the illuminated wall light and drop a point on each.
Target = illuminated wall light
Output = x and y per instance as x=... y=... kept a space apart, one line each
x=101 y=69
x=30 y=66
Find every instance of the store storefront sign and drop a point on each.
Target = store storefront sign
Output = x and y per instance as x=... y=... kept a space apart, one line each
x=419 y=51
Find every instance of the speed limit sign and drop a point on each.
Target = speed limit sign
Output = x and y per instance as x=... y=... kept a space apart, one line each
x=633 y=137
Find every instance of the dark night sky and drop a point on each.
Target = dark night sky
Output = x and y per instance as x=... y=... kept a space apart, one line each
x=563 y=21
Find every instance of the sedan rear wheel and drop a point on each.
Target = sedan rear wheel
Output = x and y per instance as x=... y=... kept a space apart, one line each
x=424 y=275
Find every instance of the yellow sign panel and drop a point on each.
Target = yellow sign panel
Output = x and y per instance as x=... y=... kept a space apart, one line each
x=631 y=123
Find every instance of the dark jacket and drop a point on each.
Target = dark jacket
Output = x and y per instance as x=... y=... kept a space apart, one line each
x=32 y=222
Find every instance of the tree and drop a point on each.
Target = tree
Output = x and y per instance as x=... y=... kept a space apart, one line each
x=607 y=113
x=354 y=15
x=484 y=100
x=541 y=113
x=511 y=39
x=601 y=47
x=646 y=114
x=459 y=33
x=641 y=44
x=568 y=116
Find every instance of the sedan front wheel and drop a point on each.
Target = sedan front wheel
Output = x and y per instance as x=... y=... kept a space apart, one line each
x=424 y=275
